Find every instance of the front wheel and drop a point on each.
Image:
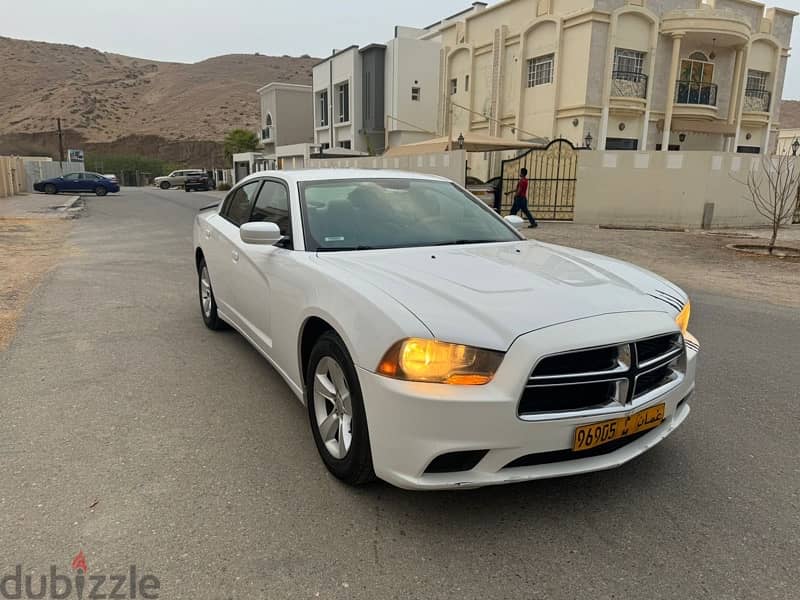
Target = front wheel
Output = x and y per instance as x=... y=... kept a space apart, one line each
x=100 y=191
x=208 y=305
x=336 y=412
x=164 y=185
x=50 y=189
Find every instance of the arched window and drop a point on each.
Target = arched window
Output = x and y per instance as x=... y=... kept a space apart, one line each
x=266 y=133
x=696 y=81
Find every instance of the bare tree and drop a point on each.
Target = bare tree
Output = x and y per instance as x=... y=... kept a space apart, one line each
x=772 y=188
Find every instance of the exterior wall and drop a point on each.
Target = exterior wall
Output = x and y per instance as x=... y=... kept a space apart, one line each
x=664 y=189
x=785 y=139
x=343 y=67
x=411 y=63
x=445 y=164
x=36 y=170
x=292 y=120
x=12 y=176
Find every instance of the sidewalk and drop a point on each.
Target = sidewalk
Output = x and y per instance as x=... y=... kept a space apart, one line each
x=37 y=206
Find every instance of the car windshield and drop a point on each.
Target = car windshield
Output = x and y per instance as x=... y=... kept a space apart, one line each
x=366 y=214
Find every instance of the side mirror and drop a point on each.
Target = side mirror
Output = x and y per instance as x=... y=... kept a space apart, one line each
x=515 y=221
x=261 y=233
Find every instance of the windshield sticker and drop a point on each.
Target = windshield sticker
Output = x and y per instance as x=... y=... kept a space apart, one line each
x=338 y=238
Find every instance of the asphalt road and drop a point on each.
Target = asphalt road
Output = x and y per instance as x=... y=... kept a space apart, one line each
x=131 y=432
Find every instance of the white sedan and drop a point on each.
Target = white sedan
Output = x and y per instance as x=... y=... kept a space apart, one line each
x=433 y=345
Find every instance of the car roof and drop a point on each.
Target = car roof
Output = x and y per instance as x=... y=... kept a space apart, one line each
x=301 y=175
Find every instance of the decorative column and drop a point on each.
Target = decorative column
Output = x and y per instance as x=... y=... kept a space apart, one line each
x=673 y=76
x=741 y=85
x=651 y=70
x=737 y=75
x=775 y=76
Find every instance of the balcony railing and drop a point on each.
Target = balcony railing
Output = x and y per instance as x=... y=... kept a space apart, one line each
x=629 y=84
x=756 y=100
x=696 y=92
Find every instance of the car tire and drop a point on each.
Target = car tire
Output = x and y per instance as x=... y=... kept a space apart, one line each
x=208 y=304
x=50 y=189
x=164 y=185
x=100 y=191
x=336 y=411
x=187 y=189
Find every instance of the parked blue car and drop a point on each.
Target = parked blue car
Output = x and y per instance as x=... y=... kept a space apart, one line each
x=77 y=182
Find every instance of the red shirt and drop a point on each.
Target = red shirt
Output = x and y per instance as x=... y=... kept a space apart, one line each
x=522 y=187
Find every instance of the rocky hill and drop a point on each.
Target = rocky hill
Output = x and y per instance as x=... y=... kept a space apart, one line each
x=103 y=98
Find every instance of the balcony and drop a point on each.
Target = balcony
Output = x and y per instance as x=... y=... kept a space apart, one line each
x=756 y=100
x=695 y=99
x=628 y=84
x=755 y=110
x=628 y=92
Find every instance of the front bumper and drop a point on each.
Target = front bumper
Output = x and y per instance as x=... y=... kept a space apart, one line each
x=411 y=424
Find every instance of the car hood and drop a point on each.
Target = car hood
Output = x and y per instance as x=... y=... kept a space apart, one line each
x=490 y=294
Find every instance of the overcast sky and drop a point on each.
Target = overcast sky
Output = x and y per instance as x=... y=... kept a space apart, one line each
x=190 y=31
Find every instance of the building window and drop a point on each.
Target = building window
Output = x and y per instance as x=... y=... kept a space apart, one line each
x=628 y=64
x=325 y=146
x=266 y=133
x=540 y=70
x=756 y=96
x=695 y=85
x=345 y=144
x=415 y=94
x=757 y=80
x=343 y=102
x=621 y=144
x=367 y=95
x=748 y=150
x=323 y=109
x=453 y=86
x=466 y=83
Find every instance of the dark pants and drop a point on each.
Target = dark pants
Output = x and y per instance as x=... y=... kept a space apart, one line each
x=521 y=204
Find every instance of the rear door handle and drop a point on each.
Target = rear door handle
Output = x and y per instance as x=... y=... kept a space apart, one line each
x=235 y=255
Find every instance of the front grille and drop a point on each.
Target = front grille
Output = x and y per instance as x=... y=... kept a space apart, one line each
x=591 y=378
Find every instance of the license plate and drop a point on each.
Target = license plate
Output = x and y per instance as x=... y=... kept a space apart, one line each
x=597 y=434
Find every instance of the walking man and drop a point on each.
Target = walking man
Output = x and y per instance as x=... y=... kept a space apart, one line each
x=521 y=198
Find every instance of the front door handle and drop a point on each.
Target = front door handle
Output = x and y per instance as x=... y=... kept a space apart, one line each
x=208 y=234
x=235 y=255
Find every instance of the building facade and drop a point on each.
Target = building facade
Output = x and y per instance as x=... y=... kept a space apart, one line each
x=366 y=99
x=625 y=74
x=286 y=113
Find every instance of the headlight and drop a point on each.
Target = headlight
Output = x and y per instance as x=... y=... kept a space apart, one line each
x=683 y=318
x=432 y=361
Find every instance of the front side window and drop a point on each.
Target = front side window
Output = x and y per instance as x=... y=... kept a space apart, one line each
x=540 y=70
x=343 y=102
x=362 y=214
x=272 y=206
x=239 y=203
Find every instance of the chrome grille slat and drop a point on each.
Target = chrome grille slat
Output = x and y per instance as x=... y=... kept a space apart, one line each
x=642 y=366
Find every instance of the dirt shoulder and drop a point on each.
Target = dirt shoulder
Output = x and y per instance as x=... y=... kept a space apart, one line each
x=29 y=248
x=694 y=260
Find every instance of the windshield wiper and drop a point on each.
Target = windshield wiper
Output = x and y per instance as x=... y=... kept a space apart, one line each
x=348 y=248
x=459 y=242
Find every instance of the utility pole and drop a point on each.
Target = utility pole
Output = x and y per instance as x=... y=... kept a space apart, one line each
x=60 y=142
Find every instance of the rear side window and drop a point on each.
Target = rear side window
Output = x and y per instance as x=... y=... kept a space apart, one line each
x=273 y=205
x=239 y=204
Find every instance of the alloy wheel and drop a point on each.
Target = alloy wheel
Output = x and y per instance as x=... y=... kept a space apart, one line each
x=333 y=408
x=205 y=292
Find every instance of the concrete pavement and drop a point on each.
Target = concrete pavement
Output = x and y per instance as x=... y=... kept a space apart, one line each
x=134 y=434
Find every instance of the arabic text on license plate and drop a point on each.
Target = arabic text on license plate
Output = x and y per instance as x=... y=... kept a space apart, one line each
x=596 y=434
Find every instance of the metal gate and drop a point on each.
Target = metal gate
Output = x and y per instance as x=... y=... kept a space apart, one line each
x=552 y=174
